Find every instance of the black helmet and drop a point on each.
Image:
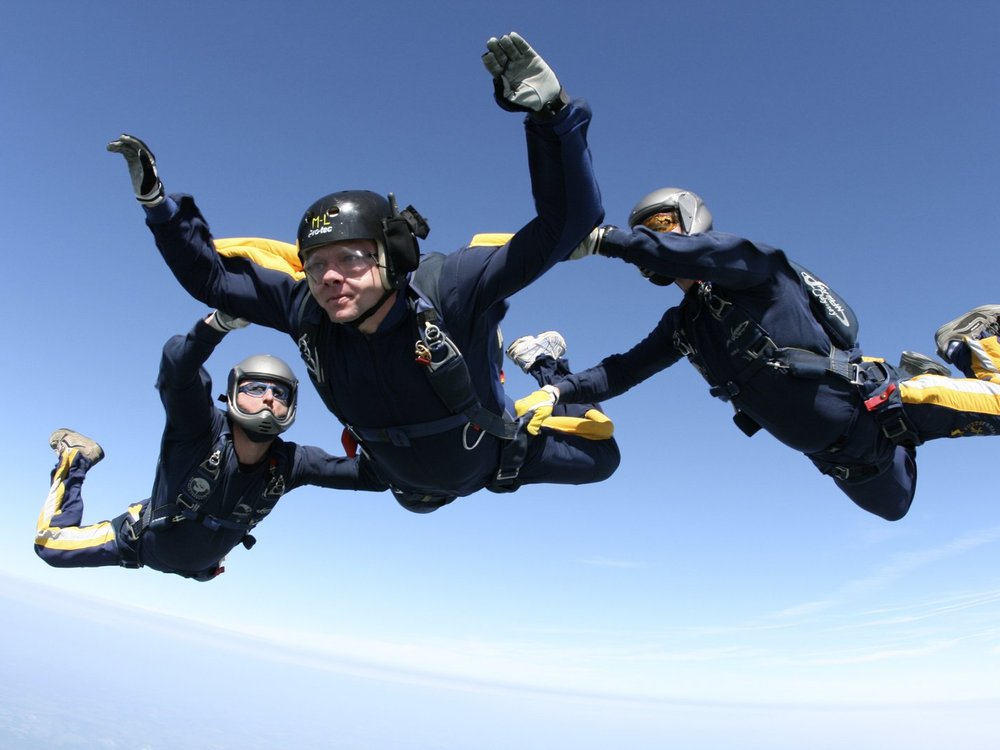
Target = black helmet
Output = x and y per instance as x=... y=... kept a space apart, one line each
x=691 y=209
x=263 y=425
x=364 y=215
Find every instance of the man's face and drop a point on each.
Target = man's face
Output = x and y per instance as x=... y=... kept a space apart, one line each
x=256 y=394
x=344 y=279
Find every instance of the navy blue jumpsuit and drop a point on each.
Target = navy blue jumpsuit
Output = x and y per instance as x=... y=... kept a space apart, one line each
x=195 y=427
x=825 y=417
x=375 y=380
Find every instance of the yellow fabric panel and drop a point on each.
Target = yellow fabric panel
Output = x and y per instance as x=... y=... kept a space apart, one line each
x=75 y=537
x=490 y=239
x=67 y=537
x=960 y=394
x=70 y=537
x=53 y=501
x=284 y=256
x=273 y=254
x=594 y=425
x=985 y=358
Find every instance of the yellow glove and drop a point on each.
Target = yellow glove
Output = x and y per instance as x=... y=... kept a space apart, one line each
x=540 y=404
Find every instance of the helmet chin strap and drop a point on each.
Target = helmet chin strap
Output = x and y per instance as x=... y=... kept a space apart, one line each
x=373 y=309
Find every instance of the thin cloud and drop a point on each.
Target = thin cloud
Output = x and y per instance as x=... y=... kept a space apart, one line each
x=607 y=562
x=883 y=576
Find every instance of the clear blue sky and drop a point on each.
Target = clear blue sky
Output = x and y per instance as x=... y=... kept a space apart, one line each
x=717 y=590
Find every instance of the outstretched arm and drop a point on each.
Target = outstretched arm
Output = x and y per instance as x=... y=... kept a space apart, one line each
x=182 y=235
x=612 y=377
x=567 y=199
x=721 y=258
x=184 y=385
x=317 y=467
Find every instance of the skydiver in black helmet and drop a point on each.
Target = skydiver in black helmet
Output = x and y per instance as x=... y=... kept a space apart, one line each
x=404 y=348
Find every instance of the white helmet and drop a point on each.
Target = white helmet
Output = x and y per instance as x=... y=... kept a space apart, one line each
x=262 y=425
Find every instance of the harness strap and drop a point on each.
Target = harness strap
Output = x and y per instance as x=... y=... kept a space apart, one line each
x=806 y=364
x=801 y=363
x=750 y=345
x=199 y=486
x=881 y=397
x=879 y=392
x=852 y=473
x=127 y=536
x=400 y=436
x=130 y=535
x=512 y=458
x=449 y=377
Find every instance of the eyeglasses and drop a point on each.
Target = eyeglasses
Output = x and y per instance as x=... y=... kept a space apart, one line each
x=665 y=221
x=347 y=262
x=257 y=389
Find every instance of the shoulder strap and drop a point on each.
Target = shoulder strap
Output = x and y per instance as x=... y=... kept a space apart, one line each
x=424 y=281
x=249 y=514
x=202 y=482
x=444 y=364
x=312 y=336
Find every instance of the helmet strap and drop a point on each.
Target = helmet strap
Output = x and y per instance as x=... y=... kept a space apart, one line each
x=386 y=293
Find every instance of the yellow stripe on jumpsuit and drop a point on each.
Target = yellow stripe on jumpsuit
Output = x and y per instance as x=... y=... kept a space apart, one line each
x=942 y=407
x=59 y=539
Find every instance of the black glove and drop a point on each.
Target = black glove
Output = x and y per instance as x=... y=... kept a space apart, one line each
x=141 y=168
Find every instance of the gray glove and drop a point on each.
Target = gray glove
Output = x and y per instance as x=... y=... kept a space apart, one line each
x=522 y=81
x=223 y=322
x=591 y=245
x=141 y=168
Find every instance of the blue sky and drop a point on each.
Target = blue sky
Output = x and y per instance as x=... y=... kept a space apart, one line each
x=715 y=590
